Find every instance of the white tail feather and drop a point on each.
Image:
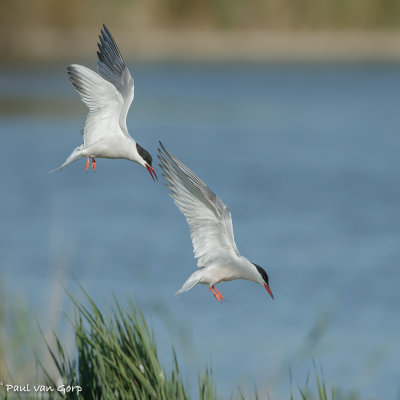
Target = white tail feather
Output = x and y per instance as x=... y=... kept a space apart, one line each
x=193 y=280
x=77 y=153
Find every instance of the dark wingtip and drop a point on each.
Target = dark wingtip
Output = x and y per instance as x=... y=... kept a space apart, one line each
x=106 y=29
x=160 y=150
x=163 y=148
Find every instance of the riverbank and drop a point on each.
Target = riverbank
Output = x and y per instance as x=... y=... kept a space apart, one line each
x=48 y=46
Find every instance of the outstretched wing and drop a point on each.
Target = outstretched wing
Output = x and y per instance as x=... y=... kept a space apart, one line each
x=111 y=67
x=103 y=100
x=209 y=219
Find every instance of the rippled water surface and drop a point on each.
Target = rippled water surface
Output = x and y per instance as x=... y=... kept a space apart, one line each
x=306 y=157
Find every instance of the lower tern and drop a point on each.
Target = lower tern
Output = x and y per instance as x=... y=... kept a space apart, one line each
x=211 y=230
x=108 y=94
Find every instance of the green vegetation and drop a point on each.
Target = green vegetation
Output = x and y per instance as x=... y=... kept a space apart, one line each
x=115 y=357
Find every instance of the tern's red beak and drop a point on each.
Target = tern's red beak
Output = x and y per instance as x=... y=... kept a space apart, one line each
x=268 y=290
x=151 y=172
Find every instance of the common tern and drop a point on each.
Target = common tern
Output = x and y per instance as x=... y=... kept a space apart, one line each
x=108 y=94
x=211 y=230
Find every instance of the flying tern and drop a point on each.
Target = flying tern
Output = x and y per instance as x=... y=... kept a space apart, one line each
x=211 y=230
x=108 y=94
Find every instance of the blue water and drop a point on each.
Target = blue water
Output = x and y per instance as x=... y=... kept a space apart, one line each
x=307 y=158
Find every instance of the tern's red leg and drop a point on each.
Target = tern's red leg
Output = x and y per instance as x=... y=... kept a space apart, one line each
x=219 y=294
x=93 y=164
x=87 y=163
x=216 y=293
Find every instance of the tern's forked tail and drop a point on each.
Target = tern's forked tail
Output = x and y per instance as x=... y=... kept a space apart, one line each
x=193 y=280
x=75 y=155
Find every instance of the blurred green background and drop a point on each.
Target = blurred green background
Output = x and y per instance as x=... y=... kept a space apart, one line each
x=47 y=30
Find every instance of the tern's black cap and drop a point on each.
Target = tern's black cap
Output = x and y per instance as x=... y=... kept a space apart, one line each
x=144 y=154
x=262 y=273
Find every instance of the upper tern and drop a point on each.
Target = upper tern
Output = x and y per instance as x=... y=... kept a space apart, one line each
x=108 y=94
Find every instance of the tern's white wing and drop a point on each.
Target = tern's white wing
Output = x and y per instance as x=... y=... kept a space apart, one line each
x=111 y=67
x=103 y=100
x=208 y=217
